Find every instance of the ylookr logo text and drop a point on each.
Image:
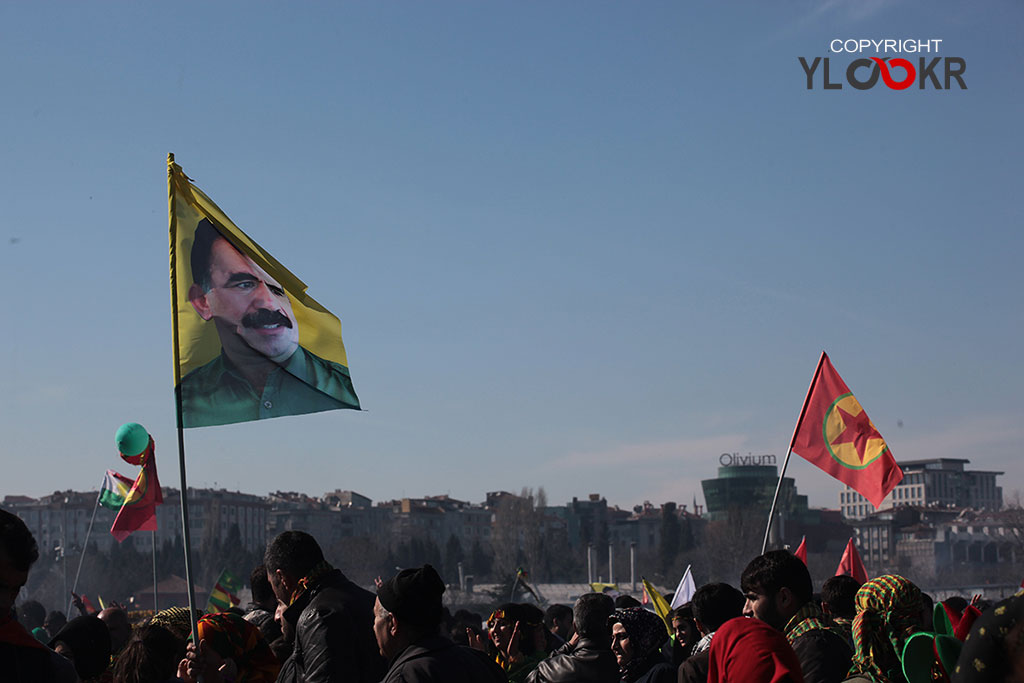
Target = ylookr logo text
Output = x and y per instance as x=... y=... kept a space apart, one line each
x=863 y=72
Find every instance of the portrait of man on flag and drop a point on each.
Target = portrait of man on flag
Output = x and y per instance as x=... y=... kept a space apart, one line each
x=251 y=344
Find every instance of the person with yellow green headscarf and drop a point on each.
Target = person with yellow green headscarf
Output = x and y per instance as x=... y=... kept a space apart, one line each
x=234 y=649
x=889 y=611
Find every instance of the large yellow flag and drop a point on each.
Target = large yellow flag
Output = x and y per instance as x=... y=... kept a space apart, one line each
x=249 y=343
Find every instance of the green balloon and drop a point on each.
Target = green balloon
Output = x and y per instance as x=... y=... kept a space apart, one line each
x=132 y=438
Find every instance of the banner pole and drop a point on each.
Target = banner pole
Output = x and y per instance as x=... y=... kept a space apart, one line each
x=789 y=451
x=185 y=536
x=155 y=603
x=85 y=546
x=775 y=500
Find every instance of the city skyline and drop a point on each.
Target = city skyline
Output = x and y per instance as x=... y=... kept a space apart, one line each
x=584 y=246
x=948 y=483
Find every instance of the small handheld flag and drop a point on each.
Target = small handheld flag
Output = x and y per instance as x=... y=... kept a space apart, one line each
x=89 y=607
x=801 y=550
x=684 y=591
x=661 y=606
x=224 y=595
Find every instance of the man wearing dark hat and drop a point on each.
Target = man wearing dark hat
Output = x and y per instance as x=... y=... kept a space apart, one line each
x=85 y=641
x=407 y=623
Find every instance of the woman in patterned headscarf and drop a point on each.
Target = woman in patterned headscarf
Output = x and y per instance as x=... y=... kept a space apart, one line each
x=637 y=637
x=176 y=620
x=889 y=610
x=994 y=650
x=230 y=643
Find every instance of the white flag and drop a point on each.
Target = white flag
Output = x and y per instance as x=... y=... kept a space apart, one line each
x=685 y=590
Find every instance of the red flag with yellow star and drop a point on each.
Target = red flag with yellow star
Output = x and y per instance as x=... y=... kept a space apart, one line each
x=836 y=434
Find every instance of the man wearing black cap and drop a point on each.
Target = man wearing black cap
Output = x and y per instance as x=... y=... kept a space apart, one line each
x=86 y=642
x=407 y=622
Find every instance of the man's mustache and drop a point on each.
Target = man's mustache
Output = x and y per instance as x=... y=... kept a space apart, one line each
x=264 y=317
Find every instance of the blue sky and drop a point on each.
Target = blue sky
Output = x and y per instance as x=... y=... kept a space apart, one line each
x=584 y=246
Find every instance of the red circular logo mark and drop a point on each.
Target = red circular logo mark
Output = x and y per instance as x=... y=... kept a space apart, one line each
x=883 y=69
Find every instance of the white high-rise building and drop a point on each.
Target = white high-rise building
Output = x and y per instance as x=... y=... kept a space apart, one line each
x=941 y=483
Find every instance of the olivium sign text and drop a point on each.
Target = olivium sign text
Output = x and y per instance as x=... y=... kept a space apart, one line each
x=925 y=69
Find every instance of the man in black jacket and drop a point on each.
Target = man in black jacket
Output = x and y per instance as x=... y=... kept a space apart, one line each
x=590 y=659
x=332 y=617
x=407 y=623
x=778 y=591
x=260 y=612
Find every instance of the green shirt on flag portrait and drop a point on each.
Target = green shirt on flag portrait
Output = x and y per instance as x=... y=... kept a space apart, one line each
x=217 y=394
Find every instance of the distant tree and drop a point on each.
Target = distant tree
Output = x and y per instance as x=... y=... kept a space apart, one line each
x=671 y=535
x=511 y=518
x=453 y=554
x=558 y=562
x=480 y=562
x=235 y=558
x=171 y=558
x=533 y=532
x=124 y=571
x=417 y=552
x=361 y=559
x=731 y=543
x=687 y=538
x=45 y=582
x=431 y=554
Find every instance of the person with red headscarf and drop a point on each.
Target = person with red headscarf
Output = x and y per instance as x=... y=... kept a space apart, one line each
x=748 y=650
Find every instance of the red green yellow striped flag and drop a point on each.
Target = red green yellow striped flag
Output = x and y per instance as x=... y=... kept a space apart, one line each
x=225 y=593
x=114 y=490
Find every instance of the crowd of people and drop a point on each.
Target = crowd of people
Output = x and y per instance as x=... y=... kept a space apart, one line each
x=309 y=623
